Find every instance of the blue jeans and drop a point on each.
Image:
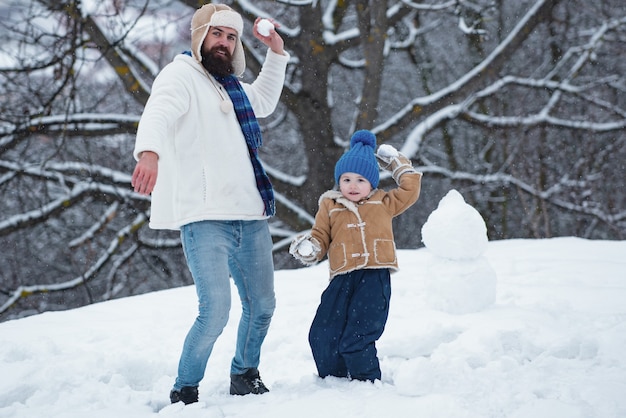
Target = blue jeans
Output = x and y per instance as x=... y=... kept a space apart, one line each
x=216 y=251
x=349 y=320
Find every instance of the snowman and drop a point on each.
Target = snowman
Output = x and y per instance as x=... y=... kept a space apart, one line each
x=458 y=278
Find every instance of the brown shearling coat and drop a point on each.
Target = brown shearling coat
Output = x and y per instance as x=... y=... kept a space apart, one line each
x=359 y=235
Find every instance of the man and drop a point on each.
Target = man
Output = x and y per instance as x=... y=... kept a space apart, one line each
x=196 y=152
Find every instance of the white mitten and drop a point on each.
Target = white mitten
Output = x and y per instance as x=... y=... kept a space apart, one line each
x=391 y=160
x=385 y=155
x=305 y=249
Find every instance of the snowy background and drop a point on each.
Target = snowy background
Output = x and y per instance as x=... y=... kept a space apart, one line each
x=515 y=328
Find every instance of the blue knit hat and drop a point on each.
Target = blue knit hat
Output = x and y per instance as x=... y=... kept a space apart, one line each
x=360 y=158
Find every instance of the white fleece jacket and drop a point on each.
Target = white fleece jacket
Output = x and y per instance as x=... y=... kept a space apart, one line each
x=204 y=169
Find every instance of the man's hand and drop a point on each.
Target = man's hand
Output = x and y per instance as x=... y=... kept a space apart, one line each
x=273 y=40
x=145 y=174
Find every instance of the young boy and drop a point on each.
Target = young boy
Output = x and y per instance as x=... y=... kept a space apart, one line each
x=353 y=226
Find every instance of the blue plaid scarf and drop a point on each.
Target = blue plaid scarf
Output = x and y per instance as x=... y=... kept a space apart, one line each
x=254 y=140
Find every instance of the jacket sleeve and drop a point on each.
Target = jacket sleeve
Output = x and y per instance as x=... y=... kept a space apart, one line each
x=321 y=228
x=405 y=195
x=264 y=93
x=169 y=99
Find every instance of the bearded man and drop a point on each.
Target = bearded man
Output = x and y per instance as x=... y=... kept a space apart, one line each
x=196 y=152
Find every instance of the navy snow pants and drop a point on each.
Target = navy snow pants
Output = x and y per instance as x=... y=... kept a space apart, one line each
x=350 y=319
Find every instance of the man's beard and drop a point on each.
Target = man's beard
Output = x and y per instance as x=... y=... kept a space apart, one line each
x=221 y=65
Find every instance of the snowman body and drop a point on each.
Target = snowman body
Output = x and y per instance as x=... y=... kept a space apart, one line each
x=459 y=279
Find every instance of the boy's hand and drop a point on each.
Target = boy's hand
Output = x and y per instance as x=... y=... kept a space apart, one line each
x=305 y=249
x=390 y=159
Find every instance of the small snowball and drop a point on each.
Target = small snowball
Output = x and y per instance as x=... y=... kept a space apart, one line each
x=386 y=150
x=264 y=27
x=305 y=248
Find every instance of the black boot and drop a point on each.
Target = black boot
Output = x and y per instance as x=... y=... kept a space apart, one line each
x=188 y=394
x=249 y=382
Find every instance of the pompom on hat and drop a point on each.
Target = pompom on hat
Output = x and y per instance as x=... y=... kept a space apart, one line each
x=360 y=158
x=217 y=15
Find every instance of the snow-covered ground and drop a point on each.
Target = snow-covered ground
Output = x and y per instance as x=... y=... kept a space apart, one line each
x=552 y=345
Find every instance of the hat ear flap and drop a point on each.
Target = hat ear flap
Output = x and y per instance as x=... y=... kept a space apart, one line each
x=239 y=59
x=200 y=29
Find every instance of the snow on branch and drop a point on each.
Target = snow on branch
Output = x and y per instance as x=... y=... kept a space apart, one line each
x=94 y=170
x=61 y=171
x=147 y=64
x=585 y=52
x=430 y=7
x=42 y=213
x=510 y=41
x=115 y=266
x=119 y=61
x=549 y=195
x=116 y=242
x=416 y=136
x=544 y=119
x=470 y=30
x=160 y=242
x=91 y=232
x=83 y=123
x=79 y=189
x=285 y=178
x=287 y=236
x=565 y=85
x=302 y=214
x=459 y=90
x=6 y=177
x=248 y=7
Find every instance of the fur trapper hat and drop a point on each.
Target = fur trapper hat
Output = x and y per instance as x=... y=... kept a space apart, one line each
x=217 y=15
x=360 y=158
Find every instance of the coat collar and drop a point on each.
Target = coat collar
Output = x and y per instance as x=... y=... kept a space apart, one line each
x=340 y=199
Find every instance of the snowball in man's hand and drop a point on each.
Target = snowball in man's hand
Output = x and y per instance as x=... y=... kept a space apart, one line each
x=264 y=27
x=305 y=248
x=386 y=150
